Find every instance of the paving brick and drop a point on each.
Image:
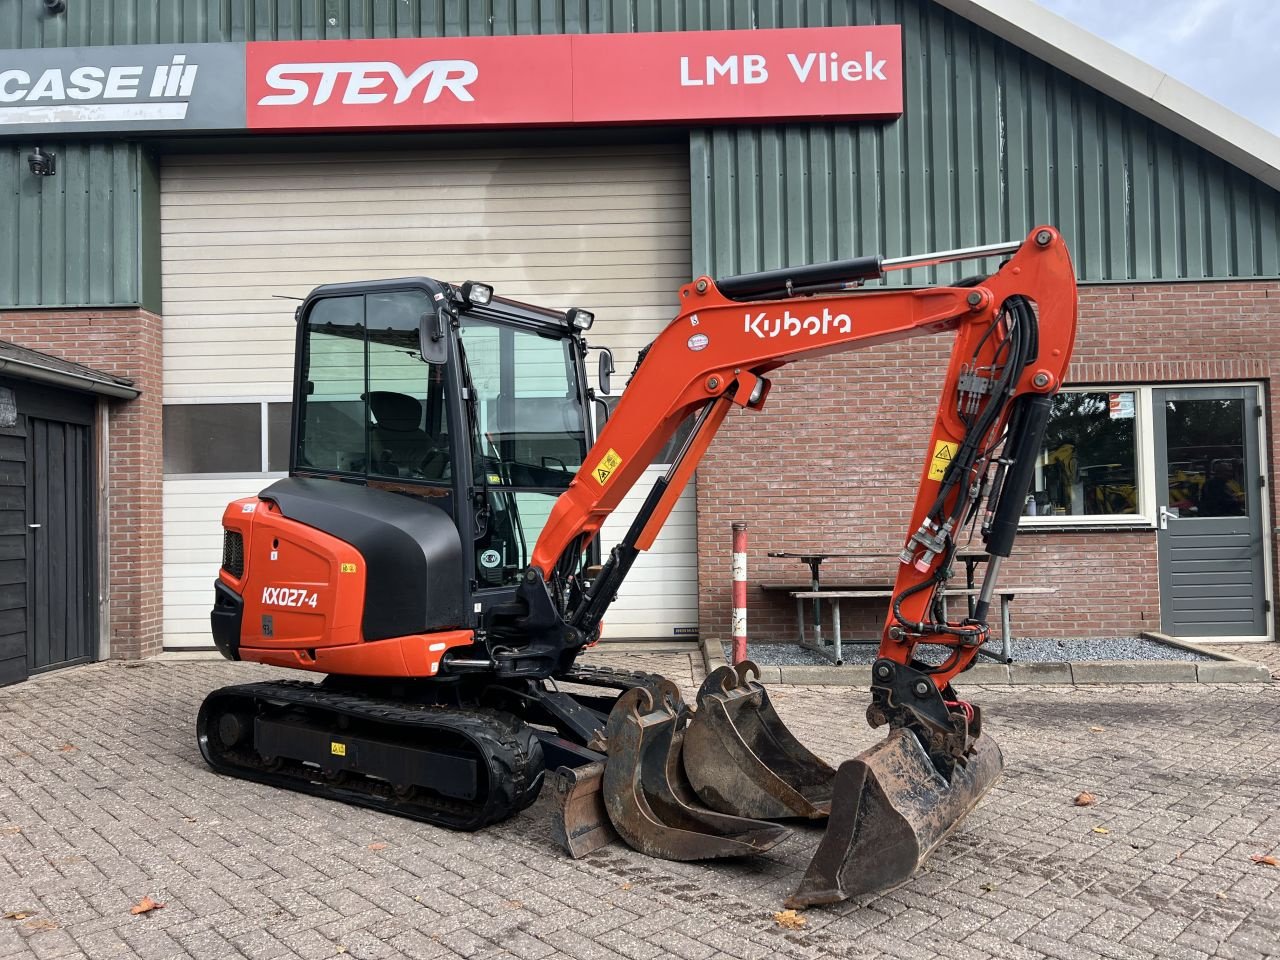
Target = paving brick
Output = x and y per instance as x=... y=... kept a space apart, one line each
x=1185 y=778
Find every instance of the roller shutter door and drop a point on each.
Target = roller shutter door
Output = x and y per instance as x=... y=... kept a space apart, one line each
x=604 y=228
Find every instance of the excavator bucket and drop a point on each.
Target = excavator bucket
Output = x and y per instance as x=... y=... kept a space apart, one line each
x=647 y=798
x=890 y=809
x=582 y=823
x=741 y=759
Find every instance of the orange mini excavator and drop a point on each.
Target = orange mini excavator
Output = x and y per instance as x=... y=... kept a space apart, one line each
x=434 y=552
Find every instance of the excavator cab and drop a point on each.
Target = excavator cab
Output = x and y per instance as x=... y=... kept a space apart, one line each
x=434 y=427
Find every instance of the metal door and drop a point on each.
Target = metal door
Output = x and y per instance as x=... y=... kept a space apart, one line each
x=60 y=545
x=1208 y=496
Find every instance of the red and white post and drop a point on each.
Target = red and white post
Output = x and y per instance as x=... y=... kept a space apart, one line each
x=739 y=592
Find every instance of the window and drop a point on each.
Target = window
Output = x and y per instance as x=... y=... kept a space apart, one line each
x=226 y=438
x=213 y=438
x=371 y=405
x=1089 y=464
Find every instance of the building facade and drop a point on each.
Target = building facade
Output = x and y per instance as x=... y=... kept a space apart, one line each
x=182 y=216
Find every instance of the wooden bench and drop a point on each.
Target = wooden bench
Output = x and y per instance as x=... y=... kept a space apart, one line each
x=884 y=592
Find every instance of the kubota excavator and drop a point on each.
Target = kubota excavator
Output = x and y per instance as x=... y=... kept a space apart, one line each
x=437 y=428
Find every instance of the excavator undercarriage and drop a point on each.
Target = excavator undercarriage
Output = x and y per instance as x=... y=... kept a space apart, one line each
x=396 y=559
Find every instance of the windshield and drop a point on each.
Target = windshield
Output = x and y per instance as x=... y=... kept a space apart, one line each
x=529 y=437
x=528 y=407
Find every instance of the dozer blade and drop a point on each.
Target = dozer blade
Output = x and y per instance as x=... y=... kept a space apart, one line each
x=582 y=823
x=891 y=808
x=742 y=759
x=647 y=799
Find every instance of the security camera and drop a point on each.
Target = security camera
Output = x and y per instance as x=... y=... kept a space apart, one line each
x=55 y=7
x=42 y=164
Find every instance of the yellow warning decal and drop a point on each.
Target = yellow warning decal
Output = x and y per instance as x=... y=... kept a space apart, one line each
x=608 y=463
x=348 y=568
x=337 y=749
x=944 y=451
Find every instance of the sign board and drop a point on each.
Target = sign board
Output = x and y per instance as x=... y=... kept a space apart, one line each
x=165 y=87
x=456 y=82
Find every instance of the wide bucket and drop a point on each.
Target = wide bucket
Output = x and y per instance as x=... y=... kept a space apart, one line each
x=741 y=759
x=891 y=808
x=648 y=801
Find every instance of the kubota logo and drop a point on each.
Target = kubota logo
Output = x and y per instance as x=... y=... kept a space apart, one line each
x=789 y=325
x=367 y=82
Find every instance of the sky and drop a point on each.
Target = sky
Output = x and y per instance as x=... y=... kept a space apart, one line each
x=1229 y=50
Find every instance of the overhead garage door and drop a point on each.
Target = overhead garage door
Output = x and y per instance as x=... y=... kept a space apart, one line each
x=606 y=229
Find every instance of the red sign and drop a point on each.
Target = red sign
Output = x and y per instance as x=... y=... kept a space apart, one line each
x=833 y=72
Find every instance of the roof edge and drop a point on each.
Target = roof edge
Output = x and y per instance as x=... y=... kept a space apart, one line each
x=1130 y=81
x=27 y=370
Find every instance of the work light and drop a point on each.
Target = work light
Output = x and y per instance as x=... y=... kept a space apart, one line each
x=476 y=294
x=580 y=319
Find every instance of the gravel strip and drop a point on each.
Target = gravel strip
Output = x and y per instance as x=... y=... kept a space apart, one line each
x=1025 y=650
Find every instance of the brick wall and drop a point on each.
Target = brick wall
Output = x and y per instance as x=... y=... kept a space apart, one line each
x=126 y=343
x=843 y=439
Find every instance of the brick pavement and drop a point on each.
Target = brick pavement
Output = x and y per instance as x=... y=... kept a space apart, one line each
x=104 y=799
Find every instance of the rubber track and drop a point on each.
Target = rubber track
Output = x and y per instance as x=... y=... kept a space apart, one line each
x=506 y=748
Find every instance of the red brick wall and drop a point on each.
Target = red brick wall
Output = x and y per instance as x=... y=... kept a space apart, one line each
x=126 y=343
x=833 y=460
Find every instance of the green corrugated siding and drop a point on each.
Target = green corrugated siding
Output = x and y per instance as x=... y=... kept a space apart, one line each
x=992 y=142
x=71 y=239
x=198 y=21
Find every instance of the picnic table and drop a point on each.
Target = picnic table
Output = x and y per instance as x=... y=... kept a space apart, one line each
x=882 y=589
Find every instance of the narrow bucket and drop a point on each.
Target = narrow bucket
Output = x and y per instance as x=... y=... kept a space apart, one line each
x=741 y=759
x=891 y=808
x=581 y=823
x=647 y=799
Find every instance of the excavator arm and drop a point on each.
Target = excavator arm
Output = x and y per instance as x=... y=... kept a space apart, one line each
x=1014 y=333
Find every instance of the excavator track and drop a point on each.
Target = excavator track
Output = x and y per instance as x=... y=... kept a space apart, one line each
x=453 y=767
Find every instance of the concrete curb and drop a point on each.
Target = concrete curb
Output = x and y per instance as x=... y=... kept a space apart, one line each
x=1225 y=668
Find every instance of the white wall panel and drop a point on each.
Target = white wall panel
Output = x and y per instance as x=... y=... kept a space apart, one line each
x=602 y=228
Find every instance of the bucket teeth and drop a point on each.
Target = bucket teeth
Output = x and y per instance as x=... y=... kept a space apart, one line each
x=891 y=808
x=647 y=798
x=741 y=759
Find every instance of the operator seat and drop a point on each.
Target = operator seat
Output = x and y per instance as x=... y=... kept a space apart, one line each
x=400 y=446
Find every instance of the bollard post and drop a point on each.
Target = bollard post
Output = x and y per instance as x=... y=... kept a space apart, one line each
x=739 y=592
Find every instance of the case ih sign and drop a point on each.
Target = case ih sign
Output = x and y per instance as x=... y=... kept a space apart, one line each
x=844 y=72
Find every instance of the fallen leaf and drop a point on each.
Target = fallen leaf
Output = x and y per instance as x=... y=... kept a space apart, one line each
x=10 y=831
x=513 y=904
x=1101 y=830
x=340 y=948
x=145 y=905
x=628 y=885
x=1085 y=800
x=190 y=819
x=19 y=914
x=1220 y=895
x=988 y=887
x=377 y=846
x=68 y=747
x=789 y=919
x=1096 y=729
x=40 y=923
x=1267 y=861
